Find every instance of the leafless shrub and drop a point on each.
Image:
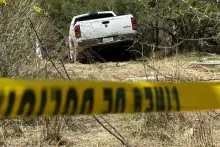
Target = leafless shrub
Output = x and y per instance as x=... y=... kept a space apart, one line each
x=17 y=59
x=52 y=130
x=203 y=130
x=18 y=41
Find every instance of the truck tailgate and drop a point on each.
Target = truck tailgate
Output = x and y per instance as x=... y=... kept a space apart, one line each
x=106 y=27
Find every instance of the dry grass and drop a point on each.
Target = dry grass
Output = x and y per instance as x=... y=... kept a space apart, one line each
x=153 y=129
x=17 y=48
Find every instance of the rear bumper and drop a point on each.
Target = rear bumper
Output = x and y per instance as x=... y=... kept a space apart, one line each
x=125 y=40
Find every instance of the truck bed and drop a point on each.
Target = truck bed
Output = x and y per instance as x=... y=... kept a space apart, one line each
x=105 y=27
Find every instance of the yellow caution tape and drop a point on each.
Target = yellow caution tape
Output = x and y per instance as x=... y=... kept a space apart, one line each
x=3 y=1
x=37 y=9
x=9 y=3
x=21 y=98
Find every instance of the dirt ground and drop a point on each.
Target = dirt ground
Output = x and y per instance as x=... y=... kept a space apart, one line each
x=139 y=130
x=175 y=68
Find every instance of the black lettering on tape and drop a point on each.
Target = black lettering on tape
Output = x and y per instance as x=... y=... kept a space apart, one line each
x=137 y=99
x=149 y=96
x=43 y=102
x=176 y=97
x=160 y=99
x=168 y=98
x=71 y=96
x=120 y=98
x=108 y=96
x=10 y=103
x=27 y=98
x=88 y=97
x=56 y=96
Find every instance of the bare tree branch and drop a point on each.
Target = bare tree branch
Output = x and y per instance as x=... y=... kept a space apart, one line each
x=47 y=54
x=120 y=138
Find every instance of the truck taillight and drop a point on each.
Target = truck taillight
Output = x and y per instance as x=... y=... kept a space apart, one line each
x=134 y=23
x=77 y=31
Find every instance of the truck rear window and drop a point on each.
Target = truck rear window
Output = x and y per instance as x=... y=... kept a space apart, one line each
x=93 y=16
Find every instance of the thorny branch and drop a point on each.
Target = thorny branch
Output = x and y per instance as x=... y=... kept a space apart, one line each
x=32 y=26
x=112 y=127
x=120 y=138
x=178 y=44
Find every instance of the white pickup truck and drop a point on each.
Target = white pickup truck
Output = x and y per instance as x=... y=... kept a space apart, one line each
x=100 y=29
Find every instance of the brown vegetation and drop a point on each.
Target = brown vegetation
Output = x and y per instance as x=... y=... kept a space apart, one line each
x=18 y=60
